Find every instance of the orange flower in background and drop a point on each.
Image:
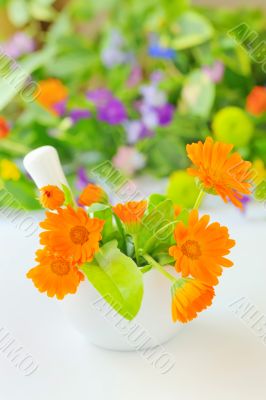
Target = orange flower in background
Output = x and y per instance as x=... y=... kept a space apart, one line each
x=51 y=197
x=131 y=212
x=177 y=210
x=189 y=297
x=200 y=248
x=256 y=100
x=72 y=234
x=51 y=92
x=92 y=194
x=227 y=174
x=55 y=275
x=4 y=128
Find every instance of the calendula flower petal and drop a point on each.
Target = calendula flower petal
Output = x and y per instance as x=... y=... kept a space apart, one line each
x=227 y=174
x=189 y=297
x=51 y=197
x=201 y=248
x=55 y=275
x=92 y=194
x=72 y=234
x=131 y=212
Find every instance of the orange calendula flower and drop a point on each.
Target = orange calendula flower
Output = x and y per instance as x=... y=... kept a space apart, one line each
x=227 y=174
x=189 y=297
x=131 y=212
x=201 y=248
x=256 y=101
x=51 y=197
x=55 y=275
x=51 y=92
x=72 y=234
x=92 y=194
x=4 y=128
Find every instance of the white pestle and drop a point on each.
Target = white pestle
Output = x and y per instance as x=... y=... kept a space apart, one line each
x=44 y=166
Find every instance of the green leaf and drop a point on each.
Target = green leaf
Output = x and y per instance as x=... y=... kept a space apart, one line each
x=98 y=207
x=193 y=29
x=165 y=259
x=117 y=278
x=18 y=12
x=154 y=200
x=15 y=82
x=183 y=216
x=198 y=95
x=157 y=227
x=260 y=192
x=105 y=213
x=42 y=12
x=68 y=196
x=23 y=193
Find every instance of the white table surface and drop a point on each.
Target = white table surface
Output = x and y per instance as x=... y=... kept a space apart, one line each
x=218 y=357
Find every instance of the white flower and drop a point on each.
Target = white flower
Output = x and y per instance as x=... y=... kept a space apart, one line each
x=133 y=130
x=153 y=96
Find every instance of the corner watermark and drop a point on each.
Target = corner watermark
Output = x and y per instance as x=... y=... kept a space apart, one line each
x=17 y=78
x=251 y=42
x=251 y=316
x=15 y=353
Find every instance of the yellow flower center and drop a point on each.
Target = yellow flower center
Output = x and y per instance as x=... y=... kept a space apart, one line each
x=79 y=234
x=60 y=267
x=191 y=249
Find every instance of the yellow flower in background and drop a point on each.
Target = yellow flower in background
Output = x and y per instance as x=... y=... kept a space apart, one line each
x=259 y=179
x=259 y=171
x=232 y=125
x=9 y=171
x=182 y=189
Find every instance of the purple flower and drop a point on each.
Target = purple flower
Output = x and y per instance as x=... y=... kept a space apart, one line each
x=99 y=97
x=78 y=113
x=112 y=57
x=113 y=112
x=157 y=76
x=133 y=130
x=60 y=108
x=145 y=132
x=114 y=53
x=245 y=201
x=149 y=116
x=82 y=179
x=152 y=95
x=165 y=113
x=136 y=130
x=19 y=44
x=215 y=72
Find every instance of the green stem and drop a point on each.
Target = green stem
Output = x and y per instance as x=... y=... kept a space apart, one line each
x=122 y=231
x=159 y=268
x=199 y=199
x=14 y=147
x=136 y=245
